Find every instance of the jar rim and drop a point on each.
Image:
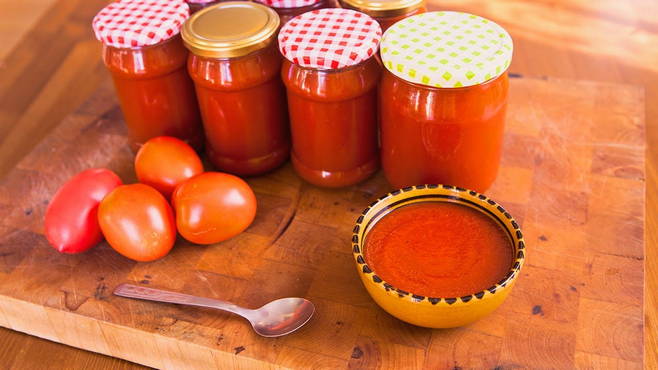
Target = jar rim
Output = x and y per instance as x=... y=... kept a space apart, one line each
x=383 y=8
x=452 y=89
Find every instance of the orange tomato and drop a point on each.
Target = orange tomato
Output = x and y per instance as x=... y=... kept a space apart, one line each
x=213 y=207
x=137 y=222
x=164 y=162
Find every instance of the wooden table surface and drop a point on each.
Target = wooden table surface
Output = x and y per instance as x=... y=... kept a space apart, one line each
x=49 y=64
x=578 y=300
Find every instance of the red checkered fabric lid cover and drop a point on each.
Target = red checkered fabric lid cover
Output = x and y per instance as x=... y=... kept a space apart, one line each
x=330 y=38
x=135 y=23
x=198 y=1
x=288 y=3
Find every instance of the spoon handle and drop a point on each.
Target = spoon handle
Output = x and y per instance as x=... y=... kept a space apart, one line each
x=159 y=295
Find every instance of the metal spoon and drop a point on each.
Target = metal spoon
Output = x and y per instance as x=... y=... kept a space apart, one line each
x=277 y=318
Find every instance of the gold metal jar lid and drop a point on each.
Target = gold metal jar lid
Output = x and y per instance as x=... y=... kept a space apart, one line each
x=383 y=8
x=230 y=29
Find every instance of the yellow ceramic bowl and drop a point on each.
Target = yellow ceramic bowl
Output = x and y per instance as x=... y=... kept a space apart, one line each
x=436 y=312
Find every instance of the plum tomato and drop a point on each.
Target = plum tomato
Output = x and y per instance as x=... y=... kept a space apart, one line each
x=164 y=162
x=71 y=222
x=213 y=207
x=138 y=222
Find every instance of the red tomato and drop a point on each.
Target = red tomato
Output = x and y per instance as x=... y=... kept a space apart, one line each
x=164 y=162
x=137 y=222
x=71 y=223
x=213 y=207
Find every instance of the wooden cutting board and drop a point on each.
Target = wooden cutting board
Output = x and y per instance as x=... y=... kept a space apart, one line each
x=572 y=174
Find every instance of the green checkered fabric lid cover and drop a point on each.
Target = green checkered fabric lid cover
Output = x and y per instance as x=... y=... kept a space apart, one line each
x=446 y=49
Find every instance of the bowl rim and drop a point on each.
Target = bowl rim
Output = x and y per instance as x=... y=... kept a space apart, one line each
x=453 y=194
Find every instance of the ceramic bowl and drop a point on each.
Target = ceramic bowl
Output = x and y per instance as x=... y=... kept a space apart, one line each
x=436 y=312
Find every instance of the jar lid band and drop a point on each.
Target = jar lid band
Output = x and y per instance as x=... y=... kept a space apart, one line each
x=230 y=29
x=288 y=3
x=383 y=8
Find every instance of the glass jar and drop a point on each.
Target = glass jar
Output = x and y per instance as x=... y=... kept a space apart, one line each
x=386 y=12
x=332 y=100
x=235 y=65
x=288 y=9
x=443 y=112
x=155 y=92
x=196 y=5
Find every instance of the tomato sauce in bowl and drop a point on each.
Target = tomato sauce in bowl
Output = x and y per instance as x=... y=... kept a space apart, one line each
x=438 y=256
x=438 y=249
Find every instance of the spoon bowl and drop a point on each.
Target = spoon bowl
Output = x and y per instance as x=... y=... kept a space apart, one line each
x=280 y=317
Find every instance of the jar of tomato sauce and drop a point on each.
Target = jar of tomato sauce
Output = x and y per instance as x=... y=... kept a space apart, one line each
x=143 y=51
x=386 y=12
x=196 y=5
x=235 y=65
x=288 y=9
x=331 y=76
x=443 y=100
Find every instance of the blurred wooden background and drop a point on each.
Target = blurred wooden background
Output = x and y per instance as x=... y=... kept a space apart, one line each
x=50 y=62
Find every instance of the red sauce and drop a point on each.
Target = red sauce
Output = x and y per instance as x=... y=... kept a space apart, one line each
x=387 y=22
x=196 y=6
x=155 y=92
x=442 y=135
x=243 y=104
x=438 y=249
x=287 y=14
x=385 y=18
x=333 y=119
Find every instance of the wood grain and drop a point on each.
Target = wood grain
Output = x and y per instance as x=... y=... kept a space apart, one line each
x=19 y=17
x=573 y=175
x=558 y=38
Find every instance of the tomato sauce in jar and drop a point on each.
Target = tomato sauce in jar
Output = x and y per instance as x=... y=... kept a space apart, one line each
x=438 y=249
x=147 y=62
x=443 y=100
x=332 y=96
x=386 y=12
x=196 y=5
x=288 y=9
x=235 y=65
